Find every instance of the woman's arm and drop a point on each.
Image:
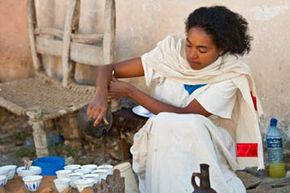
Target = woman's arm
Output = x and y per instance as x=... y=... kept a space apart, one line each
x=122 y=89
x=98 y=105
x=129 y=68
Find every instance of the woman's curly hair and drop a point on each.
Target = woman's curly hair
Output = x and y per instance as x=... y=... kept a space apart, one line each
x=229 y=30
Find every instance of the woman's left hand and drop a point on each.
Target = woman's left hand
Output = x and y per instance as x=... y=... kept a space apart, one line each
x=118 y=89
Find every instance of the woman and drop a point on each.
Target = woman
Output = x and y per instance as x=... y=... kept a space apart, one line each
x=204 y=103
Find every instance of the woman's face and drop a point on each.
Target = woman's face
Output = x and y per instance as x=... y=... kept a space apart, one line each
x=200 y=49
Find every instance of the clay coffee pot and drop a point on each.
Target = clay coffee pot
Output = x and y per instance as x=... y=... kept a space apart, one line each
x=204 y=186
x=87 y=125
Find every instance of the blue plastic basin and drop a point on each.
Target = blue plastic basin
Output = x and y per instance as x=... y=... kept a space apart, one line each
x=49 y=165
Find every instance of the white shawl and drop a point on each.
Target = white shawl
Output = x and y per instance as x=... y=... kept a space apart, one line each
x=168 y=60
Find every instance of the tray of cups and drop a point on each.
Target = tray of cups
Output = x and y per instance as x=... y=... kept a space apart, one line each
x=80 y=177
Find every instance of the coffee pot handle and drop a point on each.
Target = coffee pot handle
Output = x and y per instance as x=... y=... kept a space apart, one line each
x=194 y=175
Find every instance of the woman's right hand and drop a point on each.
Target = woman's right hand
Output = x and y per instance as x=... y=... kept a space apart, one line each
x=97 y=107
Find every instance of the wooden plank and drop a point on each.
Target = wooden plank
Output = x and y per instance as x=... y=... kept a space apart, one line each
x=45 y=17
x=87 y=54
x=81 y=53
x=109 y=31
x=79 y=38
x=31 y=19
x=48 y=46
x=66 y=70
x=49 y=31
x=109 y=40
x=87 y=38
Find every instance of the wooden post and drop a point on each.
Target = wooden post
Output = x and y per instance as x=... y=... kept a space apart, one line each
x=31 y=19
x=45 y=11
x=109 y=40
x=109 y=31
x=67 y=41
x=39 y=134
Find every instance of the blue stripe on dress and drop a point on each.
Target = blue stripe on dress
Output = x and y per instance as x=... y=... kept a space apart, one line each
x=191 y=88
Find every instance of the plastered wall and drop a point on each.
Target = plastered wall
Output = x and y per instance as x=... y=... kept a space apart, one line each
x=15 y=60
x=142 y=23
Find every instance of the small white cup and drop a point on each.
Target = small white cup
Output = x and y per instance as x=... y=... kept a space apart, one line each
x=33 y=170
x=4 y=171
x=72 y=167
x=73 y=177
x=81 y=184
x=32 y=183
x=11 y=172
x=83 y=171
x=107 y=167
x=103 y=173
x=3 y=180
x=95 y=177
x=89 y=166
x=61 y=184
x=63 y=173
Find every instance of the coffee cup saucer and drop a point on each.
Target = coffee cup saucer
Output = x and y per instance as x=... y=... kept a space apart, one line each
x=142 y=111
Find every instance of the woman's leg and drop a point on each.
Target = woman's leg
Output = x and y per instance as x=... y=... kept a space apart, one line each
x=177 y=144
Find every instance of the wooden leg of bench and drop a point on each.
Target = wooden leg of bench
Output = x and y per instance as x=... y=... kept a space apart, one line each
x=40 y=140
x=39 y=134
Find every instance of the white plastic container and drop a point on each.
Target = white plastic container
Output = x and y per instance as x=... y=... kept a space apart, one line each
x=130 y=181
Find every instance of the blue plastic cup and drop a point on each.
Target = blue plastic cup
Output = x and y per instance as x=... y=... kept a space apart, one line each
x=49 y=165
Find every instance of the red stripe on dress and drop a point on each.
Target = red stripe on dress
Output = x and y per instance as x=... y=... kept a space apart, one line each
x=254 y=99
x=247 y=149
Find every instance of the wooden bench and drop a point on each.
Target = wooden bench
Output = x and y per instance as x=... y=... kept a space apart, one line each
x=42 y=97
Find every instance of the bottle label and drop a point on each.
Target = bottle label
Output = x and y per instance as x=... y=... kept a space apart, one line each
x=275 y=155
x=275 y=150
x=274 y=142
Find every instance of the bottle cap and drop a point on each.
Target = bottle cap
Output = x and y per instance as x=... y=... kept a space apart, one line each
x=273 y=122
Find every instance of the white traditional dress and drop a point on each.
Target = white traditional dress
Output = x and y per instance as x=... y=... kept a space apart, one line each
x=170 y=146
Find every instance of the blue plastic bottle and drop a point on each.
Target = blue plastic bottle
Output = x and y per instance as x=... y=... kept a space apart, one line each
x=275 y=151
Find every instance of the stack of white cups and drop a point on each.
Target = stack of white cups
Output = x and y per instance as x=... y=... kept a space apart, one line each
x=130 y=181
